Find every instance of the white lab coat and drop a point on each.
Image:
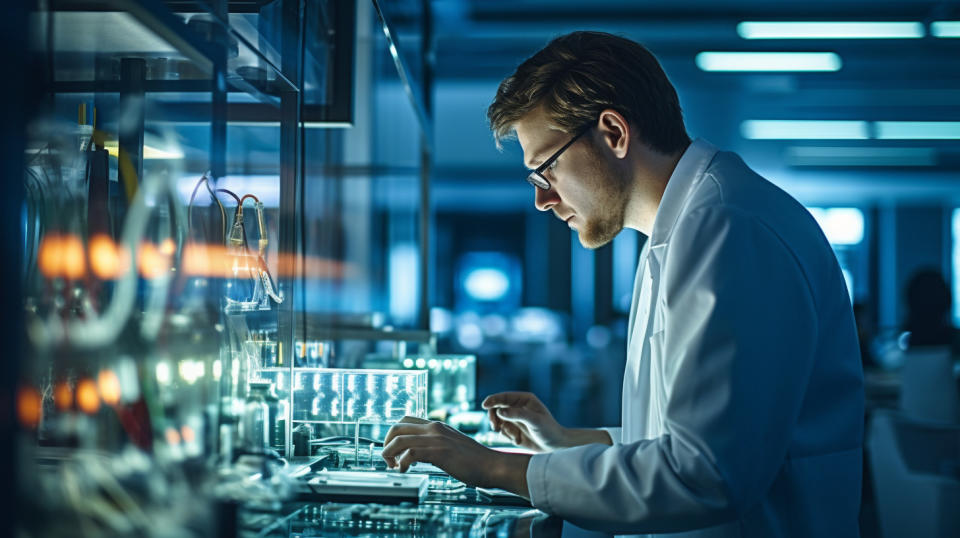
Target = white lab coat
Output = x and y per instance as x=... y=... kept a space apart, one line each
x=743 y=389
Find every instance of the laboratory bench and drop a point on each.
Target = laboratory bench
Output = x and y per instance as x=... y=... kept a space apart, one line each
x=360 y=503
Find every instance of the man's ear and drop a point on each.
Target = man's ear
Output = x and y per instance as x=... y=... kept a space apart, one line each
x=614 y=131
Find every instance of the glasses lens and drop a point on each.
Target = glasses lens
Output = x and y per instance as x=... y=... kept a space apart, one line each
x=537 y=180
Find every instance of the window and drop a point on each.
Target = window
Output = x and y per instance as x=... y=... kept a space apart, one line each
x=844 y=228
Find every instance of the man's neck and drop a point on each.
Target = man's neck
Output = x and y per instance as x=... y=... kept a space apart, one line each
x=652 y=172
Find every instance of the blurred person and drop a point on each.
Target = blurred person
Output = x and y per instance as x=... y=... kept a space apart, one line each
x=928 y=311
x=929 y=305
x=742 y=410
x=862 y=315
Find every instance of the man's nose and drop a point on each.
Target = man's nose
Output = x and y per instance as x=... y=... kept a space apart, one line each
x=545 y=199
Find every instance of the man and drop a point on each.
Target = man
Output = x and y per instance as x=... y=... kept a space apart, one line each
x=742 y=396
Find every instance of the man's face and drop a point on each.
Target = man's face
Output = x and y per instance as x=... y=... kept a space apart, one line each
x=587 y=190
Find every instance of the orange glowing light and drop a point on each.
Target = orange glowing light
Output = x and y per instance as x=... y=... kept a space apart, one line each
x=29 y=407
x=312 y=267
x=189 y=436
x=87 y=398
x=172 y=436
x=62 y=256
x=73 y=259
x=63 y=396
x=217 y=261
x=168 y=247
x=109 y=385
x=106 y=259
x=48 y=257
x=151 y=261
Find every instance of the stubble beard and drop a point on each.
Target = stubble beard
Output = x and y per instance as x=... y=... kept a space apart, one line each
x=611 y=191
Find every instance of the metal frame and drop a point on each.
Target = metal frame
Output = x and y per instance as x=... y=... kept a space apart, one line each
x=154 y=15
x=426 y=164
x=339 y=111
x=133 y=73
x=291 y=187
x=415 y=93
x=17 y=107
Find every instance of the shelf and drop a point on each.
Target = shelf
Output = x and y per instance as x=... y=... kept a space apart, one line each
x=90 y=37
x=134 y=28
x=378 y=335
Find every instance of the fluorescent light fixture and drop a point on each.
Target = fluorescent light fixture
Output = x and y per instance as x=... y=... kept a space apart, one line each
x=945 y=28
x=849 y=130
x=918 y=130
x=830 y=30
x=768 y=61
x=803 y=130
x=859 y=156
x=149 y=152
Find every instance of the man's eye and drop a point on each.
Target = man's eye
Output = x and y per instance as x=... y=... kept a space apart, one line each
x=553 y=164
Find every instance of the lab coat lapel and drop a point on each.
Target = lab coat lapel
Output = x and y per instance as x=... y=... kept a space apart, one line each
x=637 y=380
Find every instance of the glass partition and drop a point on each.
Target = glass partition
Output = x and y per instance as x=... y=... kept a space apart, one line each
x=161 y=183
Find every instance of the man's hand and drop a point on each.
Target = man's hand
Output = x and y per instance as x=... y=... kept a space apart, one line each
x=523 y=419
x=412 y=440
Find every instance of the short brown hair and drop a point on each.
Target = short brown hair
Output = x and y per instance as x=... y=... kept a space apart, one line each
x=578 y=75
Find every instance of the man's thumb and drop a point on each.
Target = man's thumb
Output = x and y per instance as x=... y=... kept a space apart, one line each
x=515 y=413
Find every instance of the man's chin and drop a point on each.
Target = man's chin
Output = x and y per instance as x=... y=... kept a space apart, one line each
x=593 y=239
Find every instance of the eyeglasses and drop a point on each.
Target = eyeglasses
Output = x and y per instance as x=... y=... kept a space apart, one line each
x=536 y=178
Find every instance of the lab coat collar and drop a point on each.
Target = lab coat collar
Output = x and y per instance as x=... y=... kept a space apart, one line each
x=685 y=176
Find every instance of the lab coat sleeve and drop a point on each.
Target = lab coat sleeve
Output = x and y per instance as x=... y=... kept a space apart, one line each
x=737 y=342
x=614 y=433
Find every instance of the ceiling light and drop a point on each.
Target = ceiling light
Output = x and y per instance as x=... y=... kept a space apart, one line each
x=945 y=28
x=918 y=130
x=804 y=130
x=830 y=30
x=768 y=61
x=859 y=156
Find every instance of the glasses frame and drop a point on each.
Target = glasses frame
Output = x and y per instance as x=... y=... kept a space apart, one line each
x=536 y=177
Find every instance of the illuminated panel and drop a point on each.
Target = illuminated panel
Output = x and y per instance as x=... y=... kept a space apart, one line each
x=945 y=29
x=918 y=130
x=334 y=395
x=804 y=130
x=830 y=30
x=859 y=156
x=841 y=225
x=769 y=61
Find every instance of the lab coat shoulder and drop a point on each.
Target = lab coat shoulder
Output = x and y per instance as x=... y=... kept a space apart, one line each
x=754 y=332
x=735 y=364
x=738 y=344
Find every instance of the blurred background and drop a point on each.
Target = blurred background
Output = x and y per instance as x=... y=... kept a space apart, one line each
x=394 y=229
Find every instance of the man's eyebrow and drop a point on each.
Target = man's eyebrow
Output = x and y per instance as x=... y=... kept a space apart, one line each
x=535 y=159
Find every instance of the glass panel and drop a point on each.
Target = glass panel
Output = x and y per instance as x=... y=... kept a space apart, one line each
x=363 y=207
x=148 y=275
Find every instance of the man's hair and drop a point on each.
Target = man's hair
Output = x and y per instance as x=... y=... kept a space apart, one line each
x=578 y=75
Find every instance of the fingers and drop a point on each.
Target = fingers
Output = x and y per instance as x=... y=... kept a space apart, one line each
x=394 y=447
x=495 y=422
x=404 y=450
x=518 y=414
x=506 y=399
x=413 y=420
x=512 y=432
x=412 y=456
x=402 y=428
